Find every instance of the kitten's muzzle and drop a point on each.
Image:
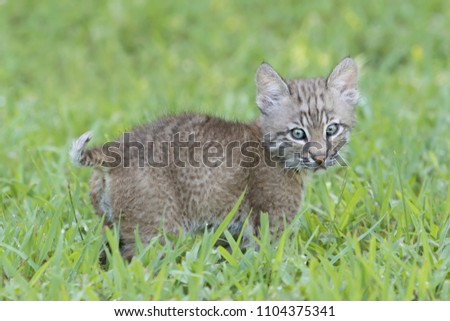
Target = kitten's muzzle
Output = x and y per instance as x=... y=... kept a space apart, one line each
x=316 y=152
x=319 y=159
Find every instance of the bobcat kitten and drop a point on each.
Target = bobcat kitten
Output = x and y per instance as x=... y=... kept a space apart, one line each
x=186 y=172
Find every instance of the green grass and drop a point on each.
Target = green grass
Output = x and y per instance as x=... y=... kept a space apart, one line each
x=378 y=229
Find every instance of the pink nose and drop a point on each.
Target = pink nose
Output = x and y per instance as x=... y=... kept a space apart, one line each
x=319 y=159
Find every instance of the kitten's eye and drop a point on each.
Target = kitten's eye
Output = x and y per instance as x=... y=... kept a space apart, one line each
x=332 y=129
x=298 y=133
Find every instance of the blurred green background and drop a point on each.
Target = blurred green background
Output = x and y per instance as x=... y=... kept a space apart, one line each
x=71 y=66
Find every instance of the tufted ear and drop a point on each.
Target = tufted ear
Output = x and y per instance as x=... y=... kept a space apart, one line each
x=344 y=78
x=271 y=88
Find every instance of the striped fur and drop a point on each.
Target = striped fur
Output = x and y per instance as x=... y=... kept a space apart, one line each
x=310 y=105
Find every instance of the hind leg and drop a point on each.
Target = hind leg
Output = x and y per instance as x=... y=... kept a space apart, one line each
x=126 y=248
x=137 y=198
x=102 y=205
x=164 y=224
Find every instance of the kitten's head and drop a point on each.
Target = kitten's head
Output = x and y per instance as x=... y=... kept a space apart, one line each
x=306 y=122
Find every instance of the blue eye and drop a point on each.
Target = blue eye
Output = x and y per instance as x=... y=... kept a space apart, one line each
x=332 y=129
x=298 y=133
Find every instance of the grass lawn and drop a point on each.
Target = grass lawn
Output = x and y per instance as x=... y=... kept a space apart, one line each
x=378 y=229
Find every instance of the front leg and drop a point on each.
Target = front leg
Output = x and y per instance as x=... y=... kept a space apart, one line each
x=280 y=205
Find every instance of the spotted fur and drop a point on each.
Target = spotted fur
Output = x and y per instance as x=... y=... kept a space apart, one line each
x=170 y=198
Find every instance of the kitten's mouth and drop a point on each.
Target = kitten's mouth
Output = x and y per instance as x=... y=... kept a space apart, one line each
x=321 y=167
x=306 y=163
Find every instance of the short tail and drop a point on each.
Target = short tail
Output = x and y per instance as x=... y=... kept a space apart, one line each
x=88 y=158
